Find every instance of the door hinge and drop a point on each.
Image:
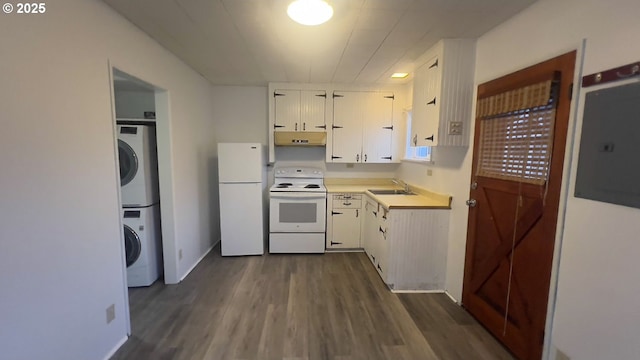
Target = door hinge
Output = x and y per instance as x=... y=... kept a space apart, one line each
x=435 y=64
x=322 y=95
x=336 y=213
x=386 y=157
x=335 y=157
x=277 y=94
x=388 y=127
x=321 y=127
x=336 y=95
x=336 y=127
x=275 y=126
x=390 y=97
x=432 y=102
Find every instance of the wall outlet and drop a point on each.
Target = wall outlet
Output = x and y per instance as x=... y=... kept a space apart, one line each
x=455 y=128
x=180 y=254
x=111 y=313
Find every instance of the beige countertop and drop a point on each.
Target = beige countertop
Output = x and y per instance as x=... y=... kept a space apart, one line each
x=424 y=199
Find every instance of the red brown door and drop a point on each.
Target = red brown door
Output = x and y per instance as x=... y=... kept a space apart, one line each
x=520 y=136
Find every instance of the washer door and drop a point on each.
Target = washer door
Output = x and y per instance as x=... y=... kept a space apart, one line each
x=132 y=245
x=128 y=162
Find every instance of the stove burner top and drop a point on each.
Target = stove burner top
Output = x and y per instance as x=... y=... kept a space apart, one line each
x=312 y=186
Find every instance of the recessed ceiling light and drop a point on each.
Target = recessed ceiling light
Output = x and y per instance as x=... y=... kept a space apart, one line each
x=310 y=12
x=399 y=75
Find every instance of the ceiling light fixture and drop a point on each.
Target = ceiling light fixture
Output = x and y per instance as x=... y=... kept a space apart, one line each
x=399 y=75
x=310 y=12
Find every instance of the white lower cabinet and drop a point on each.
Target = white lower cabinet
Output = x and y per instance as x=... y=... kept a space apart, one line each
x=408 y=247
x=343 y=221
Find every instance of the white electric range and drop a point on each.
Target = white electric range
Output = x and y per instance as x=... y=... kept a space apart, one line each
x=297 y=217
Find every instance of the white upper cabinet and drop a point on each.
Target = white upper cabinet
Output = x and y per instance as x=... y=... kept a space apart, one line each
x=362 y=128
x=299 y=110
x=443 y=95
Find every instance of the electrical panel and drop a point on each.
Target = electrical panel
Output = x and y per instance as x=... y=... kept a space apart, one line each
x=609 y=159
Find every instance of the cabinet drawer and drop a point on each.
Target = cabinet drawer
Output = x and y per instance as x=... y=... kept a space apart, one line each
x=347 y=196
x=347 y=201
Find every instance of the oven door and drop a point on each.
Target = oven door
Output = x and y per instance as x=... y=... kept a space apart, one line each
x=297 y=212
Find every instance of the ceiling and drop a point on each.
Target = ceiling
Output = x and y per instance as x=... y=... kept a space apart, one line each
x=253 y=42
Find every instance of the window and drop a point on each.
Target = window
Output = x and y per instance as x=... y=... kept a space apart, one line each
x=416 y=153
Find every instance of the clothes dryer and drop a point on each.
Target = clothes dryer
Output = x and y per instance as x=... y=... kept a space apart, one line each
x=138 y=165
x=143 y=245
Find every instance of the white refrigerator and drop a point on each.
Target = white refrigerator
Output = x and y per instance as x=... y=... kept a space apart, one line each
x=242 y=187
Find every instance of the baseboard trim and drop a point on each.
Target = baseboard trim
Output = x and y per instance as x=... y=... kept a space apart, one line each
x=452 y=298
x=116 y=348
x=417 y=291
x=198 y=262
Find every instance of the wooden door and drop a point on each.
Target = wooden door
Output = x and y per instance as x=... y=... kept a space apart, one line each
x=287 y=109
x=312 y=110
x=378 y=128
x=511 y=233
x=348 y=113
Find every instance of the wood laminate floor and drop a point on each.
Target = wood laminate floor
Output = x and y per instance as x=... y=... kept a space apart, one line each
x=331 y=306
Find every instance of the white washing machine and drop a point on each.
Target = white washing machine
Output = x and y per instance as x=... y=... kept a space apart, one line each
x=143 y=245
x=138 y=165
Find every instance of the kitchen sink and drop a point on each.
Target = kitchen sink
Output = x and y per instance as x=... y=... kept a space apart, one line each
x=390 y=192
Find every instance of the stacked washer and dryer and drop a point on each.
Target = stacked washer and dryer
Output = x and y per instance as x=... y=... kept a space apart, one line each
x=141 y=203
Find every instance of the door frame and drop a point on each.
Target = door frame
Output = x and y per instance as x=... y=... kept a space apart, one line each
x=165 y=179
x=562 y=187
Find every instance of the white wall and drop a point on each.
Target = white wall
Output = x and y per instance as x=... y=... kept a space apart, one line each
x=596 y=315
x=133 y=104
x=60 y=232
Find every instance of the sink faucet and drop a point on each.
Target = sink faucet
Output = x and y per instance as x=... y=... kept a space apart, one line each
x=401 y=183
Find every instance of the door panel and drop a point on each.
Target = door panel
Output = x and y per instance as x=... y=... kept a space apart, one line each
x=511 y=233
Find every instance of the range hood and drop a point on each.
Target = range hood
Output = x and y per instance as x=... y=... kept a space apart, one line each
x=300 y=138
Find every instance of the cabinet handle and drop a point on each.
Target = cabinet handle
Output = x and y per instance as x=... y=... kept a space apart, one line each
x=375 y=213
x=357 y=157
x=365 y=157
x=304 y=126
x=430 y=138
x=432 y=102
x=380 y=229
x=357 y=213
x=373 y=257
x=336 y=213
x=276 y=126
x=346 y=203
x=347 y=196
x=335 y=243
x=384 y=217
x=296 y=128
x=379 y=268
x=415 y=140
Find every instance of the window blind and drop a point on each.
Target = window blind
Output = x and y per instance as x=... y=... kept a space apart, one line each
x=516 y=134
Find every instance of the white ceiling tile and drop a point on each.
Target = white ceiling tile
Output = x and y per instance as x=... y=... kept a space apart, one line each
x=254 y=41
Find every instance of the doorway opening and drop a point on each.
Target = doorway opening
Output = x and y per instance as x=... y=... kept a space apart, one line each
x=521 y=130
x=142 y=137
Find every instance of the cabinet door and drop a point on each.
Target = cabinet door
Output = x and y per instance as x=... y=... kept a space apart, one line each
x=382 y=246
x=378 y=128
x=345 y=229
x=349 y=109
x=426 y=105
x=312 y=110
x=286 y=110
x=370 y=228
